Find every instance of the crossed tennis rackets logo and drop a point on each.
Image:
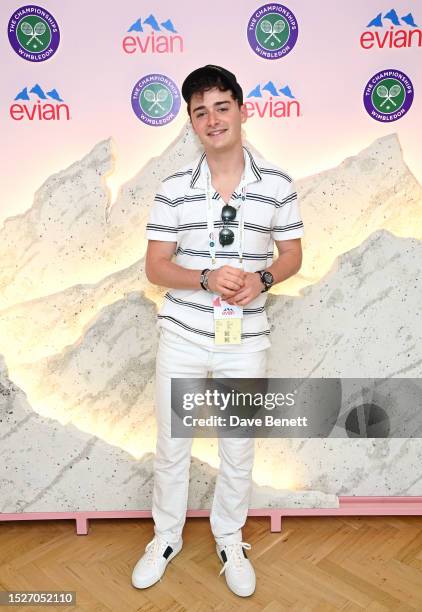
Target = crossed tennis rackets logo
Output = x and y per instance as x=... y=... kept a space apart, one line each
x=38 y=30
x=272 y=29
x=388 y=94
x=156 y=97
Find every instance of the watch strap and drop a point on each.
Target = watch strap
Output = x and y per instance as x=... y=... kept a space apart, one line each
x=203 y=279
x=261 y=274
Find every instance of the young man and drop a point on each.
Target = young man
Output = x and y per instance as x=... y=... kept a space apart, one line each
x=220 y=216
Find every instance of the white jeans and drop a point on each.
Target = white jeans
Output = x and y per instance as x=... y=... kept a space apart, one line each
x=179 y=358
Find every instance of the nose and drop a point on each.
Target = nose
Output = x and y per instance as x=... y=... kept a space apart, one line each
x=212 y=118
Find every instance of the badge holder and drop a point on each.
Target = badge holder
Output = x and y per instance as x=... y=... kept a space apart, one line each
x=227 y=322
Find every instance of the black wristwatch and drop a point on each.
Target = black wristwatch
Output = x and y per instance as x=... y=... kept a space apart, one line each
x=204 y=279
x=267 y=279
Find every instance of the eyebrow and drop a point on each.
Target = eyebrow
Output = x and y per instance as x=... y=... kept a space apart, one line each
x=216 y=104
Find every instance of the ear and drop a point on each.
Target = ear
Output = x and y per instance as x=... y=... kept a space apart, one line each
x=243 y=113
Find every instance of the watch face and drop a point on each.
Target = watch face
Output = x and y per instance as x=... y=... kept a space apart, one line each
x=268 y=278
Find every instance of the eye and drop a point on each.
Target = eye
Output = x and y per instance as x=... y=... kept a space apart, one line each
x=224 y=108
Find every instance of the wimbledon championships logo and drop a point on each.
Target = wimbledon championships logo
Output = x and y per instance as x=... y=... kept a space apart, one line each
x=33 y=33
x=388 y=95
x=155 y=99
x=272 y=31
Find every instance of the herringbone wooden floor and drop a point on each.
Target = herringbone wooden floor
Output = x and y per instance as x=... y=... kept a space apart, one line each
x=314 y=564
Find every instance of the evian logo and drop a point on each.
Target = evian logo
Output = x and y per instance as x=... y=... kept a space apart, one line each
x=390 y=31
x=37 y=105
x=269 y=101
x=150 y=36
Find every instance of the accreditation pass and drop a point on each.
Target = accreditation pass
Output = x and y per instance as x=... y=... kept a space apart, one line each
x=227 y=322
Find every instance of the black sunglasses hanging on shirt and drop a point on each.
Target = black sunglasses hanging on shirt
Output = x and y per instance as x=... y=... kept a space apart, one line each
x=226 y=236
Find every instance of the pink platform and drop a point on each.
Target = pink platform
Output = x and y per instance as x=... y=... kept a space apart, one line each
x=349 y=506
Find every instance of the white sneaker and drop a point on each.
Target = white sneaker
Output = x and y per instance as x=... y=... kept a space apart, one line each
x=151 y=566
x=240 y=575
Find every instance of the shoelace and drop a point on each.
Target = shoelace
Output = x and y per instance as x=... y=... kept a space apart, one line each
x=234 y=553
x=153 y=549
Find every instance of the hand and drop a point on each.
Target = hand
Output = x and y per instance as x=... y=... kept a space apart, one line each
x=252 y=287
x=226 y=280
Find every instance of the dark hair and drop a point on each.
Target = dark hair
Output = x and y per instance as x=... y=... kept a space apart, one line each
x=208 y=81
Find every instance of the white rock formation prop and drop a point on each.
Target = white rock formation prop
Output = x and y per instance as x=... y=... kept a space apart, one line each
x=49 y=467
x=77 y=328
x=361 y=320
x=103 y=382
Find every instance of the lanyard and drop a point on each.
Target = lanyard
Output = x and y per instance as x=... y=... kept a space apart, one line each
x=212 y=239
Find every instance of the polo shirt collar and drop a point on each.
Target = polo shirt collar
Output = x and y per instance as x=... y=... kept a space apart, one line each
x=199 y=174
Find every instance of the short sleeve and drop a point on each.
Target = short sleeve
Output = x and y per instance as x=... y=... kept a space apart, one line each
x=163 y=219
x=287 y=222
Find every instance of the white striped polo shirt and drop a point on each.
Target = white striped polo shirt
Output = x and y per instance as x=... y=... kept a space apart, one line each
x=179 y=214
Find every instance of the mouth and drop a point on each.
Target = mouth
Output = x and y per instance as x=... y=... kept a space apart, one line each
x=215 y=133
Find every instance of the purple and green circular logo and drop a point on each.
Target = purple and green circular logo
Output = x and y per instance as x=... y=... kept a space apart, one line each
x=272 y=31
x=33 y=33
x=388 y=95
x=156 y=99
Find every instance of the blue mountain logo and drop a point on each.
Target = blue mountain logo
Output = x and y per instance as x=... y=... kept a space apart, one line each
x=256 y=92
x=393 y=19
x=151 y=21
x=37 y=90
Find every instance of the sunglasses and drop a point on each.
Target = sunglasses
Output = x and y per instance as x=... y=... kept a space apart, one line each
x=226 y=236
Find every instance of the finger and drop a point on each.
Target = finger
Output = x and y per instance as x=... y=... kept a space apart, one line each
x=229 y=295
x=240 y=297
x=233 y=281
x=231 y=285
x=235 y=272
x=242 y=300
x=226 y=293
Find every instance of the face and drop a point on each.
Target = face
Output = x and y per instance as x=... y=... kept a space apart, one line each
x=217 y=119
